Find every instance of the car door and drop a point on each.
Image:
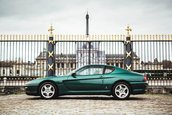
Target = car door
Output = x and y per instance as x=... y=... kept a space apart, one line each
x=108 y=77
x=86 y=78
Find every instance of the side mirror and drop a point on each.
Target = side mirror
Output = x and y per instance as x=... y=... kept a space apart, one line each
x=73 y=74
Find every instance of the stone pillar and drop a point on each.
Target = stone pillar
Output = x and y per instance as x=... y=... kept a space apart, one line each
x=50 y=54
x=128 y=51
x=5 y=81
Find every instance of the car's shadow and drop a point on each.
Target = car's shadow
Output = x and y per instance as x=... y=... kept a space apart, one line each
x=87 y=98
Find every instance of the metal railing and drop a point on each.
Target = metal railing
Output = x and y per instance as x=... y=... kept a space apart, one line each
x=24 y=57
x=15 y=81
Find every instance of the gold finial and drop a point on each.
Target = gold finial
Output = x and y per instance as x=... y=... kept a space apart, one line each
x=51 y=30
x=128 y=29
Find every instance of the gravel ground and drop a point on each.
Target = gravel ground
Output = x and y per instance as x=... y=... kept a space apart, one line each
x=86 y=105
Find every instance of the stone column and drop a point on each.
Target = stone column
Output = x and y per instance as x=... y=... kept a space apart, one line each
x=128 y=51
x=50 y=54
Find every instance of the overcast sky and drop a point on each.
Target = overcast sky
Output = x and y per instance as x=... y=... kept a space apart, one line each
x=68 y=16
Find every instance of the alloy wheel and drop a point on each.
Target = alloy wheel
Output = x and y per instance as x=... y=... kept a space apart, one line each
x=48 y=90
x=121 y=90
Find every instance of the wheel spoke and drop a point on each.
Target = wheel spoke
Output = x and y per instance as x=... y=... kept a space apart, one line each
x=45 y=93
x=117 y=90
x=120 y=87
x=48 y=94
x=124 y=93
x=49 y=87
x=125 y=88
x=45 y=87
x=51 y=91
x=120 y=95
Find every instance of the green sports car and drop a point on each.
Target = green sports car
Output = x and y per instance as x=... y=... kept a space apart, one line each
x=90 y=80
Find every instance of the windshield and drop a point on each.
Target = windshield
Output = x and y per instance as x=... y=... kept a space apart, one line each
x=73 y=71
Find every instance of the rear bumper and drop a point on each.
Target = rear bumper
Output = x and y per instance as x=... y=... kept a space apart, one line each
x=31 y=90
x=139 y=88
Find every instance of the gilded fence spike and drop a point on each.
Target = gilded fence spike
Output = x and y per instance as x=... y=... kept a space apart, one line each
x=156 y=36
x=153 y=36
x=35 y=37
x=7 y=36
x=165 y=36
x=168 y=36
x=147 y=37
x=128 y=29
x=121 y=37
x=114 y=37
x=51 y=29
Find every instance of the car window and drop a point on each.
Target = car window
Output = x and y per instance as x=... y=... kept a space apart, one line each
x=109 y=70
x=90 y=71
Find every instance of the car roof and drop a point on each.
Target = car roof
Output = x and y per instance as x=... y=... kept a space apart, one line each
x=100 y=65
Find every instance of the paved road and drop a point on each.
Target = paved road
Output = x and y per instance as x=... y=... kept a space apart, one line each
x=86 y=105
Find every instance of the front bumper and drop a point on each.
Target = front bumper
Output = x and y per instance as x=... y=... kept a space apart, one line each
x=139 y=88
x=31 y=90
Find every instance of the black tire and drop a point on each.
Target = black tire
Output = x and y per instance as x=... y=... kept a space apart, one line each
x=121 y=90
x=48 y=90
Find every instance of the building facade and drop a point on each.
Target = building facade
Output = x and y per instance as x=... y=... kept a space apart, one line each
x=89 y=53
x=65 y=63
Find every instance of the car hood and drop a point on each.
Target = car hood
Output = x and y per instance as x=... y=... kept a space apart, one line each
x=35 y=82
x=55 y=78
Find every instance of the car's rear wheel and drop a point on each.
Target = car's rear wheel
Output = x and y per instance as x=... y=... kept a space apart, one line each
x=121 y=90
x=48 y=90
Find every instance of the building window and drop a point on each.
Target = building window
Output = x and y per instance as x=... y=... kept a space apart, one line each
x=18 y=72
x=117 y=64
x=71 y=65
x=10 y=71
x=3 y=71
x=121 y=64
x=58 y=65
x=62 y=65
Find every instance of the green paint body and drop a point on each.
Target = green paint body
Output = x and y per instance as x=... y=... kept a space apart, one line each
x=98 y=84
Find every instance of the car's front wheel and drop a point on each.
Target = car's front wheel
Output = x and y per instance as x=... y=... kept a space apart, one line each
x=121 y=90
x=48 y=90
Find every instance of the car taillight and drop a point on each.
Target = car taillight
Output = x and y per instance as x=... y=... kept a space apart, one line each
x=145 y=77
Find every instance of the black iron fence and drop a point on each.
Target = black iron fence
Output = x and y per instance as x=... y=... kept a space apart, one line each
x=24 y=57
